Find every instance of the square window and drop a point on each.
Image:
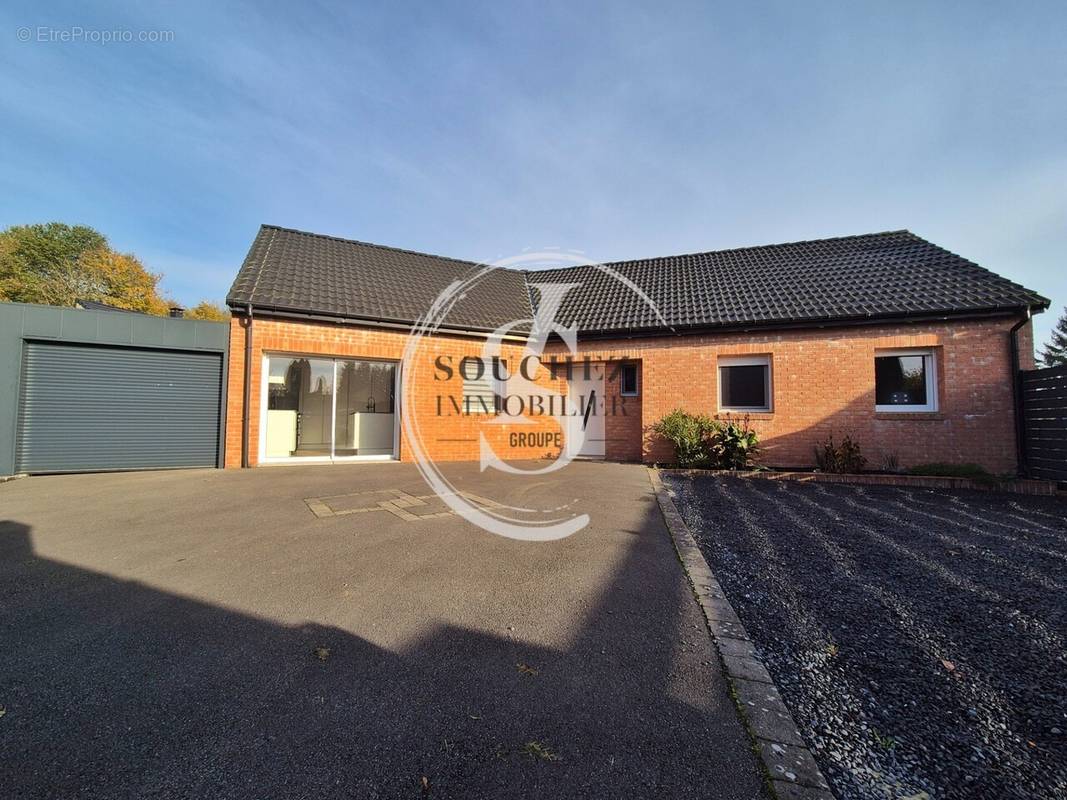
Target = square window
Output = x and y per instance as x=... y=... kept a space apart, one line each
x=745 y=383
x=628 y=380
x=905 y=380
x=484 y=384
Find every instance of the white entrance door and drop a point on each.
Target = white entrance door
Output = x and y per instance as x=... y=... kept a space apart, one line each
x=585 y=426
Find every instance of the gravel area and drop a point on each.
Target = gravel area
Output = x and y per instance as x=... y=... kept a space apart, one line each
x=918 y=636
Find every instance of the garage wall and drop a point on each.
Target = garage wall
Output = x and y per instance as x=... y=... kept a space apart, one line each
x=20 y=323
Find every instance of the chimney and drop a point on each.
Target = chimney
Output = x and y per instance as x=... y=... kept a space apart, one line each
x=177 y=312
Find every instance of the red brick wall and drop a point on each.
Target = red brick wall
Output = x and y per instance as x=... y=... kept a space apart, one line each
x=623 y=418
x=447 y=437
x=823 y=381
x=1025 y=335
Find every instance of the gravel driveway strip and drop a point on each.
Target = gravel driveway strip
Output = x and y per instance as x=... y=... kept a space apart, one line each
x=917 y=636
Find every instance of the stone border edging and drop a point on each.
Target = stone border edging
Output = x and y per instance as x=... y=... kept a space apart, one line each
x=791 y=767
x=1032 y=486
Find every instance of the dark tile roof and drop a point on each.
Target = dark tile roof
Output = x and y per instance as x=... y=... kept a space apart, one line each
x=895 y=274
x=291 y=270
x=890 y=275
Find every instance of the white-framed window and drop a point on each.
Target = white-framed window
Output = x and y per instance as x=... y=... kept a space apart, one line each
x=628 y=381
x=745 y=383
x=905 y=380
x=328 y=408
x=484 y=384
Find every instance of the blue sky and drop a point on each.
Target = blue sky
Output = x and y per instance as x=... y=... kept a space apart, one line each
x=479 y=129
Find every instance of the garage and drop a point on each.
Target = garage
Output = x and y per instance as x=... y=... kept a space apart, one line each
x=87 y=407
x=98 y=390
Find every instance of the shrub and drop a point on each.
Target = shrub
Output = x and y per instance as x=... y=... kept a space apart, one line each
x=843 y=458
x=690 y=434
x=734 y=444
x=700 y=441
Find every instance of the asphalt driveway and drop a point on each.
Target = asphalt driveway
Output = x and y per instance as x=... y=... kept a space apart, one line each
x=205 y=633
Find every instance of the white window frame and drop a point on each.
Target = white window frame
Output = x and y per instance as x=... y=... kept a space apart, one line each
x=482 y=391
x=637 y=379
x=331 y=457
x=929 y=366
x=748 y=361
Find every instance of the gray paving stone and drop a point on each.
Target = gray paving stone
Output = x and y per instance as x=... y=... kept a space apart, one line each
x=784 y=790
x=719 y=609
x=766 y=712
x=714 y=591
x=792 y=765
x=739 y=648
x=730 y=630
x=746 y=669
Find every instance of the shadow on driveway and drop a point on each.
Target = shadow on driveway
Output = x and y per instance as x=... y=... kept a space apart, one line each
x=115 y=688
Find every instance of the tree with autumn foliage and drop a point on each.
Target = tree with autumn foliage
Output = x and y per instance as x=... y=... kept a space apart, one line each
x=58 y=264
x=207 y=310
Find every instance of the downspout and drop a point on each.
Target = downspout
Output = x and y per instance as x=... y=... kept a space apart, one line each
x=1017 y=396
x=247 y=400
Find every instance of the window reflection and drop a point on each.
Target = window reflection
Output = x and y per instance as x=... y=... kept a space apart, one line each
x=365 y=415
x=900 y=380
x=304 y=419
x=299 y=407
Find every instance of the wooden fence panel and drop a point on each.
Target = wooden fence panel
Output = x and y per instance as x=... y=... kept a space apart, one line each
x=1044 y=409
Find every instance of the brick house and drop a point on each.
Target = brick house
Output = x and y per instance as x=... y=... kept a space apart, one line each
x=905 y=346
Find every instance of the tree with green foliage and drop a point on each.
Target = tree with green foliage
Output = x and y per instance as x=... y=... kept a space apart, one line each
x=1054 y=353
x=58 y=264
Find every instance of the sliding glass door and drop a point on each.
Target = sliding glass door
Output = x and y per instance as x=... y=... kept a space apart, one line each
x=322 y=408
x=365 y=421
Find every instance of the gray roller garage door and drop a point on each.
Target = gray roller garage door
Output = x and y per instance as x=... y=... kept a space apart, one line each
x=90 y=407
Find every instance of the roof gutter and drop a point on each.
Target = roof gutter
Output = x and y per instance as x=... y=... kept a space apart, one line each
x=644 y=333
x=811 y=324
x=372 y=322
